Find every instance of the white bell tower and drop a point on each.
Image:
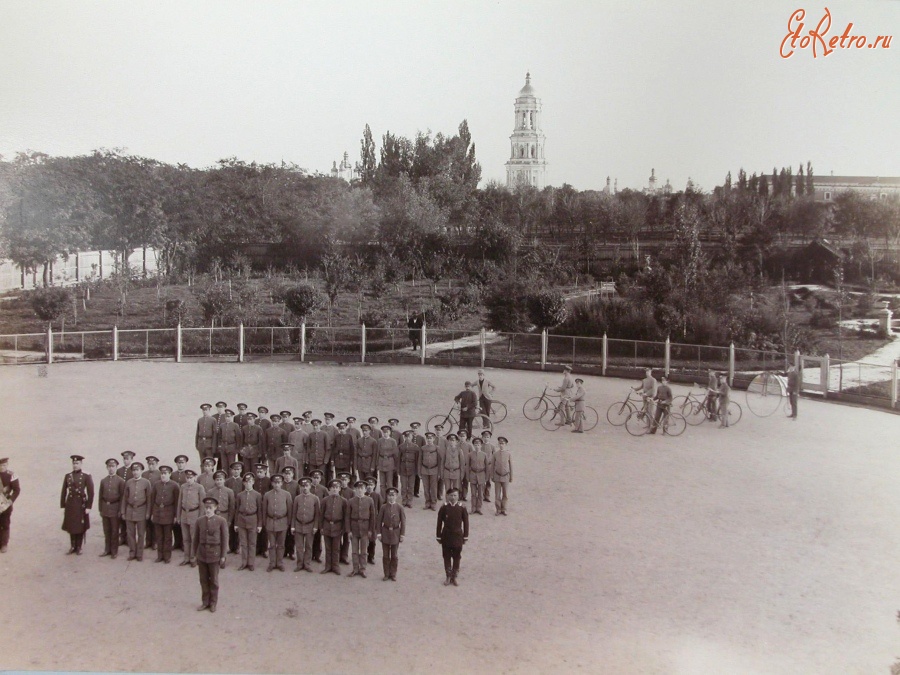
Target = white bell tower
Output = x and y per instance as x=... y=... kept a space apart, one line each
x=527 y=165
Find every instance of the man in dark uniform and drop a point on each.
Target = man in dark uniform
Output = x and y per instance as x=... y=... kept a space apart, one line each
x=241 y=418
x=419 y=439
x=219 y=417
x=253 y=441
x=286 y=424
x=235 y=483
x=77 y=498
x=292 y=487
x=321 y=492
x=452 y=533
x=209 y=537
x=305 y=516
x=343 y=451
x=408 y=467
x=366 y=453
x=9 y=488
x=263 y=414
x=328 y=427
x=134 y=509
x=262 y=485
x=248 y=521
x=276 y=515
x=152 y=474
x=124 y=472
x=361 y=526
x=318 y=450
x=225 y=499
x=205 y=436
x=332 y=526
x=208 y=479
x=430 y=469
x=163 y=503
x=112 y=490
x=229 y=440
x=390 y=527
x=468 y=407
x=793 y=389
x=190 y=501
x=180 y=477
x=352 y=430
x=376 y=498
x=275 y=437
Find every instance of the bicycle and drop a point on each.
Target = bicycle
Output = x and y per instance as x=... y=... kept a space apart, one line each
x=618 y=413
x=498 y=411
x=691 y=407
x=450 y=422
x=558 y=418
x=537 y=406
x=641 y=422
x=734 y=413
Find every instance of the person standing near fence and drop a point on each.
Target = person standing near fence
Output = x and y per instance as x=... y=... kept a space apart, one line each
x=793 y=389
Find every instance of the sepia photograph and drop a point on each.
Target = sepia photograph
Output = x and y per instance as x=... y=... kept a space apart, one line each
x=450 y=337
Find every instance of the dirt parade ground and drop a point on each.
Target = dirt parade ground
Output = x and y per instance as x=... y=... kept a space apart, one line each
x=769 y=547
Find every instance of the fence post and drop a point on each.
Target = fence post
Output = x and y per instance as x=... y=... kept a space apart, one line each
x=240 y=339
x=363 y=343
x=825 y=375
x=605 y=355
x=731 y=365
x=115 y=342
x=178 y=343
x=894 y=383
x=482 y=347
x=797 y=360
x=543 y=349
x=668 y=356
x=49 y=343
x=303 y=341
x=422 y=337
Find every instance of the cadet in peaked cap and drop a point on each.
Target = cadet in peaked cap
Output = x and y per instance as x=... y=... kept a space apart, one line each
x=183 y=458
x=205 y=406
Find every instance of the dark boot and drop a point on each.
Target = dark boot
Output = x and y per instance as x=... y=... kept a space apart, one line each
x=385 y=566
x=394 y=564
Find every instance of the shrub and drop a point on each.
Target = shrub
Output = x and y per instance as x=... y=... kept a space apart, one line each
x=822 y=319
x=50 y=304
x=547 y=308
x=303 y=299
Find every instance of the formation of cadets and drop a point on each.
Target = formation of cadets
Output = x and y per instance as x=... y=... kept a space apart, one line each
x=294 y=488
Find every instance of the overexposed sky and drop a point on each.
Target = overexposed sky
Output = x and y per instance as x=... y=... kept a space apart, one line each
x=688 y=88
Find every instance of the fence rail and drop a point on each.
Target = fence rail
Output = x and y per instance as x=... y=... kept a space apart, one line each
x=858 y=381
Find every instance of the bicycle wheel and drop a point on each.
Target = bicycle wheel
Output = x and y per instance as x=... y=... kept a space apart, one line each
x=734 y=413
x=498 y=412
x=619 y=413
x=638 y=423
x=674 y=424
x=481 y=423
x=553 y=419
x=690 y=409
x=535 y=408
x=787 y=407
x=590 y=418
x=448 y=422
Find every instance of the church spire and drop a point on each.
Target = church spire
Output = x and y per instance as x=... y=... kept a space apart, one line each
x=527 y=165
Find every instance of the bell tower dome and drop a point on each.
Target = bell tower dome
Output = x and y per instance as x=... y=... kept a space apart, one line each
x=527 y=165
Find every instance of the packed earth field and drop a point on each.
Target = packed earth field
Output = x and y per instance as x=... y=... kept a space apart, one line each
x=768 y=547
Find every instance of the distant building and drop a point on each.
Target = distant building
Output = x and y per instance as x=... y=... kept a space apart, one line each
x=826 y=188
x=343 y=170
x=652 y=188
x=527 y=164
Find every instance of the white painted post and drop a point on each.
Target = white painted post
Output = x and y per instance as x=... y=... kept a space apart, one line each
x=482 y=347
x=362 y=356
x=100 y=263
x=303 y=341
x=115 y=342
x=49 y=343
x=423 y=338
x=731 y=365
x=825 y=370
x=178 y=343
x=797 y=360
x=894 y=383
x=543 y=349
x=240 y=338
x=668 y=356
x=605 y=354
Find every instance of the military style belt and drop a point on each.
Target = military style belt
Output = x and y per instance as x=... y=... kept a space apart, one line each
x=108 y=501
x=391 y=527
x=310 y=522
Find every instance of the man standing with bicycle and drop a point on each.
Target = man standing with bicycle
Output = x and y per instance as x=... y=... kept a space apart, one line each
x=468 y=407
x=578 y=400
x=663 y=400
x=793 y=389
x=724 y=400
x=485 y=390
x=647 y=387
x=565 y=392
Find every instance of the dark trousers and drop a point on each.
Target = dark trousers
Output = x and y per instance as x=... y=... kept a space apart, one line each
x=386 y=478
x=247 y=538
x=289 y=544
x=452 y=555
x=345 y=547
x=661 y=409
x=76 y=540
x=262 y=542
x=466 y=423
x=5 y=519
x=304 y=546
x=123 y=532
x=163 y=535
x=276 y=548
x=464 y=490
x=209 y=581
x=317 y=546
x=234 y=541
x=136 y=531
x=485 y=405
x=370 y=550
x=332 y=553
x=793 y=396
x=417 y=486
x=179 y=539
x=390 y=559
x=110 y=535
x=151 y=540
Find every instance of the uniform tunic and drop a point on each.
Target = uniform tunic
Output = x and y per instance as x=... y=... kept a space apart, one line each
x=366 y=451
x=163 y=502
x=136 y=504
x=225 y=497
x=332 y=527
x=76 y=498
x=205 y=437
x=252 y=441
x=343 y=453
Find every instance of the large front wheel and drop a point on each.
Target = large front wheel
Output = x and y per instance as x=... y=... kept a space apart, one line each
x=447 y=421
x=674 y=425
x=638 y=423
x=734 y=413
x=553 y=420
x=535 y=408
x=618 y=413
